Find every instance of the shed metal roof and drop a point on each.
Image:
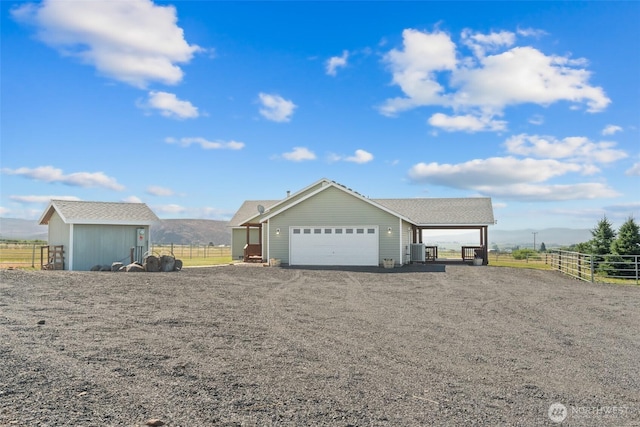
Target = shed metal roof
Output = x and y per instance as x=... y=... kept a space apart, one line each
x=109 y=213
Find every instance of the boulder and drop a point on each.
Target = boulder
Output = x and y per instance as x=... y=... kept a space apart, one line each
x=151 y=263
x=96 y=267
x=105 y=268
x=116 y=266
x=178 y=265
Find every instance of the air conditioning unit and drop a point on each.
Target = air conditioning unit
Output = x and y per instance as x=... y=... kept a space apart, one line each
x=417 y=252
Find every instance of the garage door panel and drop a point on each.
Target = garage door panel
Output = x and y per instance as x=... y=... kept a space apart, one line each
x=334 y=245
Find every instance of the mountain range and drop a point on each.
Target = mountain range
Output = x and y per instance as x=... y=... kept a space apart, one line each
x=206 y=231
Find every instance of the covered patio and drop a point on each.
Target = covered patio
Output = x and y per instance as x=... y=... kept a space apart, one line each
x=467 y=253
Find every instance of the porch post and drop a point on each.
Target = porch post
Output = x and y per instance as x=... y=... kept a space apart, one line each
x=248 y=234
x=486 y=245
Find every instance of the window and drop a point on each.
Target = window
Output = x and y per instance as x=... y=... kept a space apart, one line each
x=371 y=231
x=296 y=231
x=338 y=230
x=317 y=230
x=327 y=231
x=360 y=230
x=349 y=230
x=307 y=231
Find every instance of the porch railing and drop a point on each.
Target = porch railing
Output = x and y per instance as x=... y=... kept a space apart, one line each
x=252 y=252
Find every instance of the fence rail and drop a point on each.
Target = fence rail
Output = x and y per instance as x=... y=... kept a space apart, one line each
x=192 y=251
x=25 y=255
x=596 y=268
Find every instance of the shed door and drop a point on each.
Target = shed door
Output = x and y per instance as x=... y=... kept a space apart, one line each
x=334 y=245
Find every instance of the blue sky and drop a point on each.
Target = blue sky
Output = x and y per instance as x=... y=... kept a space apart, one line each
x=194 y=107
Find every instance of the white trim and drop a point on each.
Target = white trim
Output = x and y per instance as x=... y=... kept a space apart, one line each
x=400 y=232
x=288 y=198
x=70 y=247
x=268 y=241
x=339 y=187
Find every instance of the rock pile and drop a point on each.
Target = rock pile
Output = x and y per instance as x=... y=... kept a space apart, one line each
x=151 y=263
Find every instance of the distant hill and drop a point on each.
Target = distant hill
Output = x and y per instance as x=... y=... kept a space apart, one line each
x=178 y=231
x=22 y=229
x=552 y=237
x=188 y=231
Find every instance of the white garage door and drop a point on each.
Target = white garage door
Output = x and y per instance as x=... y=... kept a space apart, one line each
x=333 y=245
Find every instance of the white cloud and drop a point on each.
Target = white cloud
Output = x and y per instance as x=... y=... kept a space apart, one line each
x=275 y=107
x=481 y=43
x=41 y=199
x=299 y=154
x=76 y=179
x=132 y=199
x=574 y=148
x=491 y=171
x=4 y=211
x=133 y=41
x=414 y=69
x=360 y=156
x=531 y=32
x=336 y=62
x=467 y=123
x=169 y=209
x=156 y=190
x=536 y=119
x=524 y=75
x=534 y=193
x=511 y=178
x=633 y=170
x=206 y=144
x=611 y=129
x=430 y=71
x=170 y=106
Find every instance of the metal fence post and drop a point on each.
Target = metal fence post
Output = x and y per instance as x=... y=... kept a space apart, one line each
x=593 y=269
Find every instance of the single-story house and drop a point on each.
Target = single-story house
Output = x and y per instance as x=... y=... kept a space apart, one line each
x=98 y=233
x=329 y=224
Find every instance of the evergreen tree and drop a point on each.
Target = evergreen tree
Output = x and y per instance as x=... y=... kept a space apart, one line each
x=603 y=236
x=627 y=243
x=628 y=240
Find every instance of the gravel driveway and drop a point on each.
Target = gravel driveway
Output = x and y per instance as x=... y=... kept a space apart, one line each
x=252 y=345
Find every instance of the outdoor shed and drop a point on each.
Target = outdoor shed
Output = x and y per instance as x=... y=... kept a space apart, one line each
x=93 y=233
x=329 y=224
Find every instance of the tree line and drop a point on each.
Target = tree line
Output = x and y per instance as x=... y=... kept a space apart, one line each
x=611 y=249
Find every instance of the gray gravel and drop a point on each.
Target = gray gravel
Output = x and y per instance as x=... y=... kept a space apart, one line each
x=252 y=345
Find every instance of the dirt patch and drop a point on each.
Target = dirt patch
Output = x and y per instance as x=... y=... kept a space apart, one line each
x=240 y=345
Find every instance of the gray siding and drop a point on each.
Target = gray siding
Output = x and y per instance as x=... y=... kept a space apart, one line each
x=58 y=231
x=334 y=207
x=58 y=234
x=406 y=242
x=103 y=244
x=239 y=239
